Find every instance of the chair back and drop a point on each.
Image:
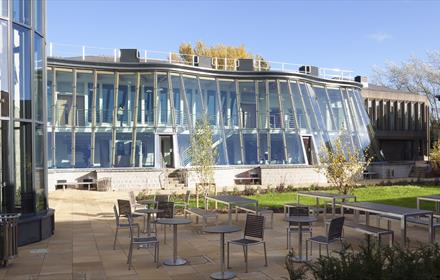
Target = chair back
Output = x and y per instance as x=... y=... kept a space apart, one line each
x=132 y=198
x=124 y=207
x=167 y=207
x=162 y=198
x=335 y=228
x=254 y=226
x=298 y=211
x=115 y=210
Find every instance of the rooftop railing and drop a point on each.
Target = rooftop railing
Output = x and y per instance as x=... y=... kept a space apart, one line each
x=98 y=54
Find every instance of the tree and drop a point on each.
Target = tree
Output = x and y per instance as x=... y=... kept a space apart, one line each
x=342 y=167
x=416 y=76
x=225 y=55
x=203 y=155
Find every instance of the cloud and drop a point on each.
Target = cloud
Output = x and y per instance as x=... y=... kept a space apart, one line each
x=379 y=37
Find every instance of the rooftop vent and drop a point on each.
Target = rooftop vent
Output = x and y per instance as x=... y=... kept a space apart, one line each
x=245 y=64
x=202 y=61
x=129 y=55
x=362 y=79
x=309 y=70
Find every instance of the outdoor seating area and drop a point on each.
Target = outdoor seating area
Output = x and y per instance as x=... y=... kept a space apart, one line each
x=103 y=238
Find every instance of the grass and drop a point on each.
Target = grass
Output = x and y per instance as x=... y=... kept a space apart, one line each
x=404 y=196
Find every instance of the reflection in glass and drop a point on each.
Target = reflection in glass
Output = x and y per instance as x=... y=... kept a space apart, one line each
x=84 y=99
x=38 y=77
x=209 y=92
x=49 y=95
x=22 y=73
x=299 y=106
x=64 y=104
x=228 y=96
x=262 y=105
x=274 y=106
x=105 y=98
x=126 y=100
x=38 y=15
x=264 y=151
x=4 y=8
x=4 y=91
x=63 y=149
x=337 y=108
x=83 y=149
x=163 y=105
x=250 y=148
x=178 y=102
x=286 y=103
x=24 y=195
x=193 y=98
x=123 y=149
x=248 y=104
x=321 y=98
x=103 y=149
x=183 y=140
x=146 y=100
x=295 y=153
x=4 y=156
x=234 y=149
x=276 y=148
x=50 y=162
x=144 y=149
x=21 y=11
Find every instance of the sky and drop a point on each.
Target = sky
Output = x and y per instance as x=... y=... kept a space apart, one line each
x=352 y=35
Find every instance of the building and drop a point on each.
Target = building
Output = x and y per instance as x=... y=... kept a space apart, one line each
x=23 y=118
x=127 y=117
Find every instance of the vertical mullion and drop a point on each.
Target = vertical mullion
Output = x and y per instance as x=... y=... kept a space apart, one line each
x=220 y=117
x=115 y=108
x=240 y=122
x=135 y=116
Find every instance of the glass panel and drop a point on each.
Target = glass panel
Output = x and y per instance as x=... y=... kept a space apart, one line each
x=209 y=92
x=228 y=96
x=83 y=145
x=24 y=199
x=194 y=98
x=39 y=168
x=286 y=103
x=248 y=104
x=299 y=106
x=145 y=149
x=49 y=95
x=63 y=149
x=38 y=15
x=233 y=146
x=105 y=98
x=39 y=144
x=218 y=145
x=21 y=11
x=264 y=154
x=250 y=148
x=64 y=103
x=337 y=109
x=146 y=100
x=50 y=162
x=276 y=148
x=126 y=100
x=38 y=77
x=295 y=154
x=321 y=98
x=163 y=106
x=274 y=106
x=84 y=99
x=179 y=112
x=4 y=91
x=4 y=162
x=309 y=108
x=184 y=143
x=123 y=149
x=103 y=149
x=22 y=73
x=348 y=112
x=4 y=8
x=262 y=105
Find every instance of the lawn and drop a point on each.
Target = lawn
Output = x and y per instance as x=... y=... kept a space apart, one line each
x=393 y=195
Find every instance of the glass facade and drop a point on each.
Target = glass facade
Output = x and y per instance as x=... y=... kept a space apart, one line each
x=144 y=118
x=23 y=122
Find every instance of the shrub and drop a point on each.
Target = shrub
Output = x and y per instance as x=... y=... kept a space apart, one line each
x=434 y=155
x=280 y=188
x=249 y=191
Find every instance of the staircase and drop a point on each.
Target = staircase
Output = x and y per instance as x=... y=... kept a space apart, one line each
x=175 y=179
x=419 y=171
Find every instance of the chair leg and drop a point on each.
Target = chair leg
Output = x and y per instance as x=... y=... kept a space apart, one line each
x=236 y=214
x=392 y=239
x=164 y=234
x=328 y=255
x=157 y=255
x=265 y=254
x=319 y=246
x=130 y=252
x=227 y=254
x=246 y=258
x=307 y=250
x=116 y=236
x=288 y=238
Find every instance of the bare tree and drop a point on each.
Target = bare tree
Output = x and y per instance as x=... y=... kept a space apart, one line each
x=416 y=75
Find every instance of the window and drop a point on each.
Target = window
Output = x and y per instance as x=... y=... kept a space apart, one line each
x=105 y=98
x=4 y=91
x=23 y=167
x=103 y=149
x=126 y=100
x=234 y=149
x=144 y=155
x=123 y=149
x=209 y=92
x=262 y=105
x=38 y=15
x=336 y=106
x=299 y=106
x=22 y=73
x=248 y=104
x=64 y=105
x=228 y=96
x=84 y=99
x=38 y=77
x=146 y=100
x=83 y=149
x=276 y=148
x=49 y=95
x=63 y=149
x=274 y=106
x=179 y=104
x=21 y=11
x=286 y=103
x=4 y=8
x=164 y=108
x=194 y=99
x=250 y=148
x=295 y=154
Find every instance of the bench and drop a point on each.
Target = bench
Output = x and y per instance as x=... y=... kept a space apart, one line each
x=371 y=230
x=413 y=220
x=76 y=184
x=203 y=213
x=251 y=209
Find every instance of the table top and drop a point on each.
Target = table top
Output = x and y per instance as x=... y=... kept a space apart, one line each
x=233 y=199
x=385 y=209
x=325 y=195
x=173 y=221
x=148 y=211
x=433 y=197
x=301 y=219
x=146 y=202
x=222 y=229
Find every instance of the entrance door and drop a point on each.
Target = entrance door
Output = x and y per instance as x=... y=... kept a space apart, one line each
x=166 y=149
x=307 y=141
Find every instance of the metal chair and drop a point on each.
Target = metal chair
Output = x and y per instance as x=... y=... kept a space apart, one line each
x=292 y=227
x=141 y=242
x=133 y=202
x=334 y=234
x=125 y=209
x=253 y=235
x=121 y=225
x=168 y=212
x=185 y=203
x=162 y=197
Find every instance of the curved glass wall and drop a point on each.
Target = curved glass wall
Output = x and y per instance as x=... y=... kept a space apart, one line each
x=145 y=118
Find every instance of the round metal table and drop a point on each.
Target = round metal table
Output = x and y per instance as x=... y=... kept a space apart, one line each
x=222 y=229
x=147 y=212
x=175 y=222
x=300 y=220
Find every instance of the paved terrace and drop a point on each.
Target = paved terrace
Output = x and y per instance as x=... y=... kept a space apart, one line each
x=82 y=246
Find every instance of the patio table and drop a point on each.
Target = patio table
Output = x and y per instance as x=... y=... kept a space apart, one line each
x=147 y=212
x=325 y=196
x=147 y=202
x=434 y=198
x=231 y=201
x=397 y=212
x=301 y=220
x=222 y=229
x=175 y=222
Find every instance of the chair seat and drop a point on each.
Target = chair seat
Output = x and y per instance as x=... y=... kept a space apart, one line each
x=151 y=239
x=319 y=239
x=127 y=225
x=245 y=241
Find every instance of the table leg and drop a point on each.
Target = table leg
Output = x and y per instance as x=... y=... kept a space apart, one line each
x=148 y=224
x=403 y=230
x=333 y=207
x=418 y=203
x=175 y=260
x=300 y=257
x=229 y=214
x=430 y=229
x=222 y=274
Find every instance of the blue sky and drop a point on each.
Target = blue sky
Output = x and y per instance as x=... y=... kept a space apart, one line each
x=352 y=35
